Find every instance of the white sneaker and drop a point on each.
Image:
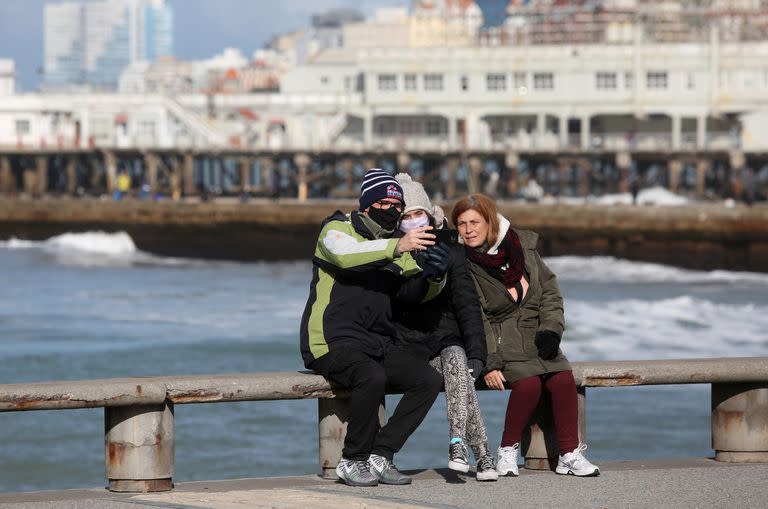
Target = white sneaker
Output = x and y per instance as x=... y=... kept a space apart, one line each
x=507 y=462
x=574 y=463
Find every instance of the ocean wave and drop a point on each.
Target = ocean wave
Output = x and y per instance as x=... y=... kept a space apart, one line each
x=96 y=249
x=616 y=270
x=667 y=328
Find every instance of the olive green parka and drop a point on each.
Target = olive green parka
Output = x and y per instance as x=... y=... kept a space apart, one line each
x=510 y=330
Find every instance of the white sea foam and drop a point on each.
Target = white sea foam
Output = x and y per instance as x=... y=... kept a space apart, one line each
x=95 y=248
x=615 y=270
x=651 y=196
x=665 y=328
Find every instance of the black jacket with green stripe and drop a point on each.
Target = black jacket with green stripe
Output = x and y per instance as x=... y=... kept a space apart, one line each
x=354 y=276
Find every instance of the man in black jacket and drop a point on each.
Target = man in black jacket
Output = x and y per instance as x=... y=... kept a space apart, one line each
x=346 y=328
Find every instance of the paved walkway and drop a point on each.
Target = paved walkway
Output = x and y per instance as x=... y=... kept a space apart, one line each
x=692 y=483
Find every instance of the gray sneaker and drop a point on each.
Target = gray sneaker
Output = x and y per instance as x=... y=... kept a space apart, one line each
x=356 y=473
x=386 y=471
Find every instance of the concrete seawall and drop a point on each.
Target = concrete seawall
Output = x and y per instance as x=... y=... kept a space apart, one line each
x=701 y=236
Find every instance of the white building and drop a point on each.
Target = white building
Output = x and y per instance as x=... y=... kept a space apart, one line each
x=640 y=95
x=92 y=43
x=7 y=77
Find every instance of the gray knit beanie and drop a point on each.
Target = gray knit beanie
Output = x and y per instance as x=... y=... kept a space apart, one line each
x=416 y=198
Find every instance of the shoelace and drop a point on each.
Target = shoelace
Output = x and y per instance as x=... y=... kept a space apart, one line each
x=510 y=453
x=485 y=463
x=459 y=449
x=362 y=465
x=577 y=456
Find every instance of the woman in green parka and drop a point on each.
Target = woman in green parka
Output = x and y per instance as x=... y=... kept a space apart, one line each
x=524 y=322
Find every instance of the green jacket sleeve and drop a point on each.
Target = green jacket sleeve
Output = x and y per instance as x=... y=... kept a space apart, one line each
x=551 y=315
x=344 y=248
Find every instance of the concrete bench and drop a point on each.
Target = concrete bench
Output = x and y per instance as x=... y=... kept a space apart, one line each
x=139 y=418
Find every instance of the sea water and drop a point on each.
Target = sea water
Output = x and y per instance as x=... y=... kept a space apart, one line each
x=90 y=305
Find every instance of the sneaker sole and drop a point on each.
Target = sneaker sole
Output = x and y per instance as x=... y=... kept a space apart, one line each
x=458 y=467
x=508 y=473
x=359 y=484
x=397 y=483
x=568 y=471
x=484 y=477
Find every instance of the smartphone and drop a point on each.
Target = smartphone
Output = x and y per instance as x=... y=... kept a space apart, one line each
x=446 y=236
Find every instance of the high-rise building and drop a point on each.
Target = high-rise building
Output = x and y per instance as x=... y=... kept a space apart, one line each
x=91 y=43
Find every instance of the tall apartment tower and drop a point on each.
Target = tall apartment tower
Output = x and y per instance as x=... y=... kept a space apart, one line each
x=89 y=44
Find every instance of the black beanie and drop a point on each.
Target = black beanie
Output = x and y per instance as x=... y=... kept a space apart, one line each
x=377 y=185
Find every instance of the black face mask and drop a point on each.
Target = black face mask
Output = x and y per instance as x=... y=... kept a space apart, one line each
x=387 y=219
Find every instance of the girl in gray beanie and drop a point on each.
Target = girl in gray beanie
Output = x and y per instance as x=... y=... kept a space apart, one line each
x=448 y=331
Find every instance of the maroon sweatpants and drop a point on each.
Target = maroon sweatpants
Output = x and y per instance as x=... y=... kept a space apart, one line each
x=524 y=398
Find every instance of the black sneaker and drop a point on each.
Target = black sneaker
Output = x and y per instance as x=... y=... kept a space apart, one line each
x=356 y=473
x=486 y=470
x=458 y=457
x=386 y=471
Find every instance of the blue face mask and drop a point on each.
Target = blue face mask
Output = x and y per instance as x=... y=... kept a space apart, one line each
x=407 y=225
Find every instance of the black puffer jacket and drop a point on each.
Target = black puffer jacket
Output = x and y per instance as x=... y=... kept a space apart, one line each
x=454 y=317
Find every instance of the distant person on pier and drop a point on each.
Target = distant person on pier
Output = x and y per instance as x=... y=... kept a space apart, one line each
x=524 y=322
x=123 y=185
x=346 y=329
x=447 y=331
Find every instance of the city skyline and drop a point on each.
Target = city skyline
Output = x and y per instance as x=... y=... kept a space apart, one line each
x=231 y=23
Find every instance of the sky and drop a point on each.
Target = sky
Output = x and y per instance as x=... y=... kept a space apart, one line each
x=202 y=27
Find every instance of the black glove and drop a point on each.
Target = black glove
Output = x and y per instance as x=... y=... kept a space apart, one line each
x=476 y=367
x=548 y=344
x=439 y=258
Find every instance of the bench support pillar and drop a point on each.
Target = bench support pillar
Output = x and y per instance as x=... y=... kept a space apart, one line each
x=333 y=416
x=740 y=422
x=539 y=442
x=139 y=446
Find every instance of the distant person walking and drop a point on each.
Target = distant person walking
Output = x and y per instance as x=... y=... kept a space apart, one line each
x=448 y=331
x=524 y=322
x=346 y=330
x=123 y=185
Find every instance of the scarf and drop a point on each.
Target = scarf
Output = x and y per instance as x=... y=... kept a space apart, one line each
x=507 y=265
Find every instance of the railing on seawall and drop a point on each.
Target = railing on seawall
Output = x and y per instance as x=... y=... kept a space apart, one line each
x=139 y=417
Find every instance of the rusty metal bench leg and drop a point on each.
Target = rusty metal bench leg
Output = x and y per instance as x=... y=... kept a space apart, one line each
x=740 y=422
x=139 y=443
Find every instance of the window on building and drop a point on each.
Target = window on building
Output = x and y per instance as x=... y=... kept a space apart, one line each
x=410 y=82
x=23 y=127
x=605 y=80
x=495 y=82
x=146 y=128
x=519 y=80
x=434 y=126
x=690 y=81
x=629 y=80
x=387 y=82
x=656 y=80
x=464 y=83
x=543 y=80
x=433 y=82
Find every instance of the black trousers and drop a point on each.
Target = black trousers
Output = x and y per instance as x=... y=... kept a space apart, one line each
x=368 y=378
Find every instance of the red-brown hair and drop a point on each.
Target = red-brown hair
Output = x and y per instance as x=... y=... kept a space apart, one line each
x=484 y=206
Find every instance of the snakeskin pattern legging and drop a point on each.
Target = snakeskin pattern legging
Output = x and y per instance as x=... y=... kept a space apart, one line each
x=464 y=417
